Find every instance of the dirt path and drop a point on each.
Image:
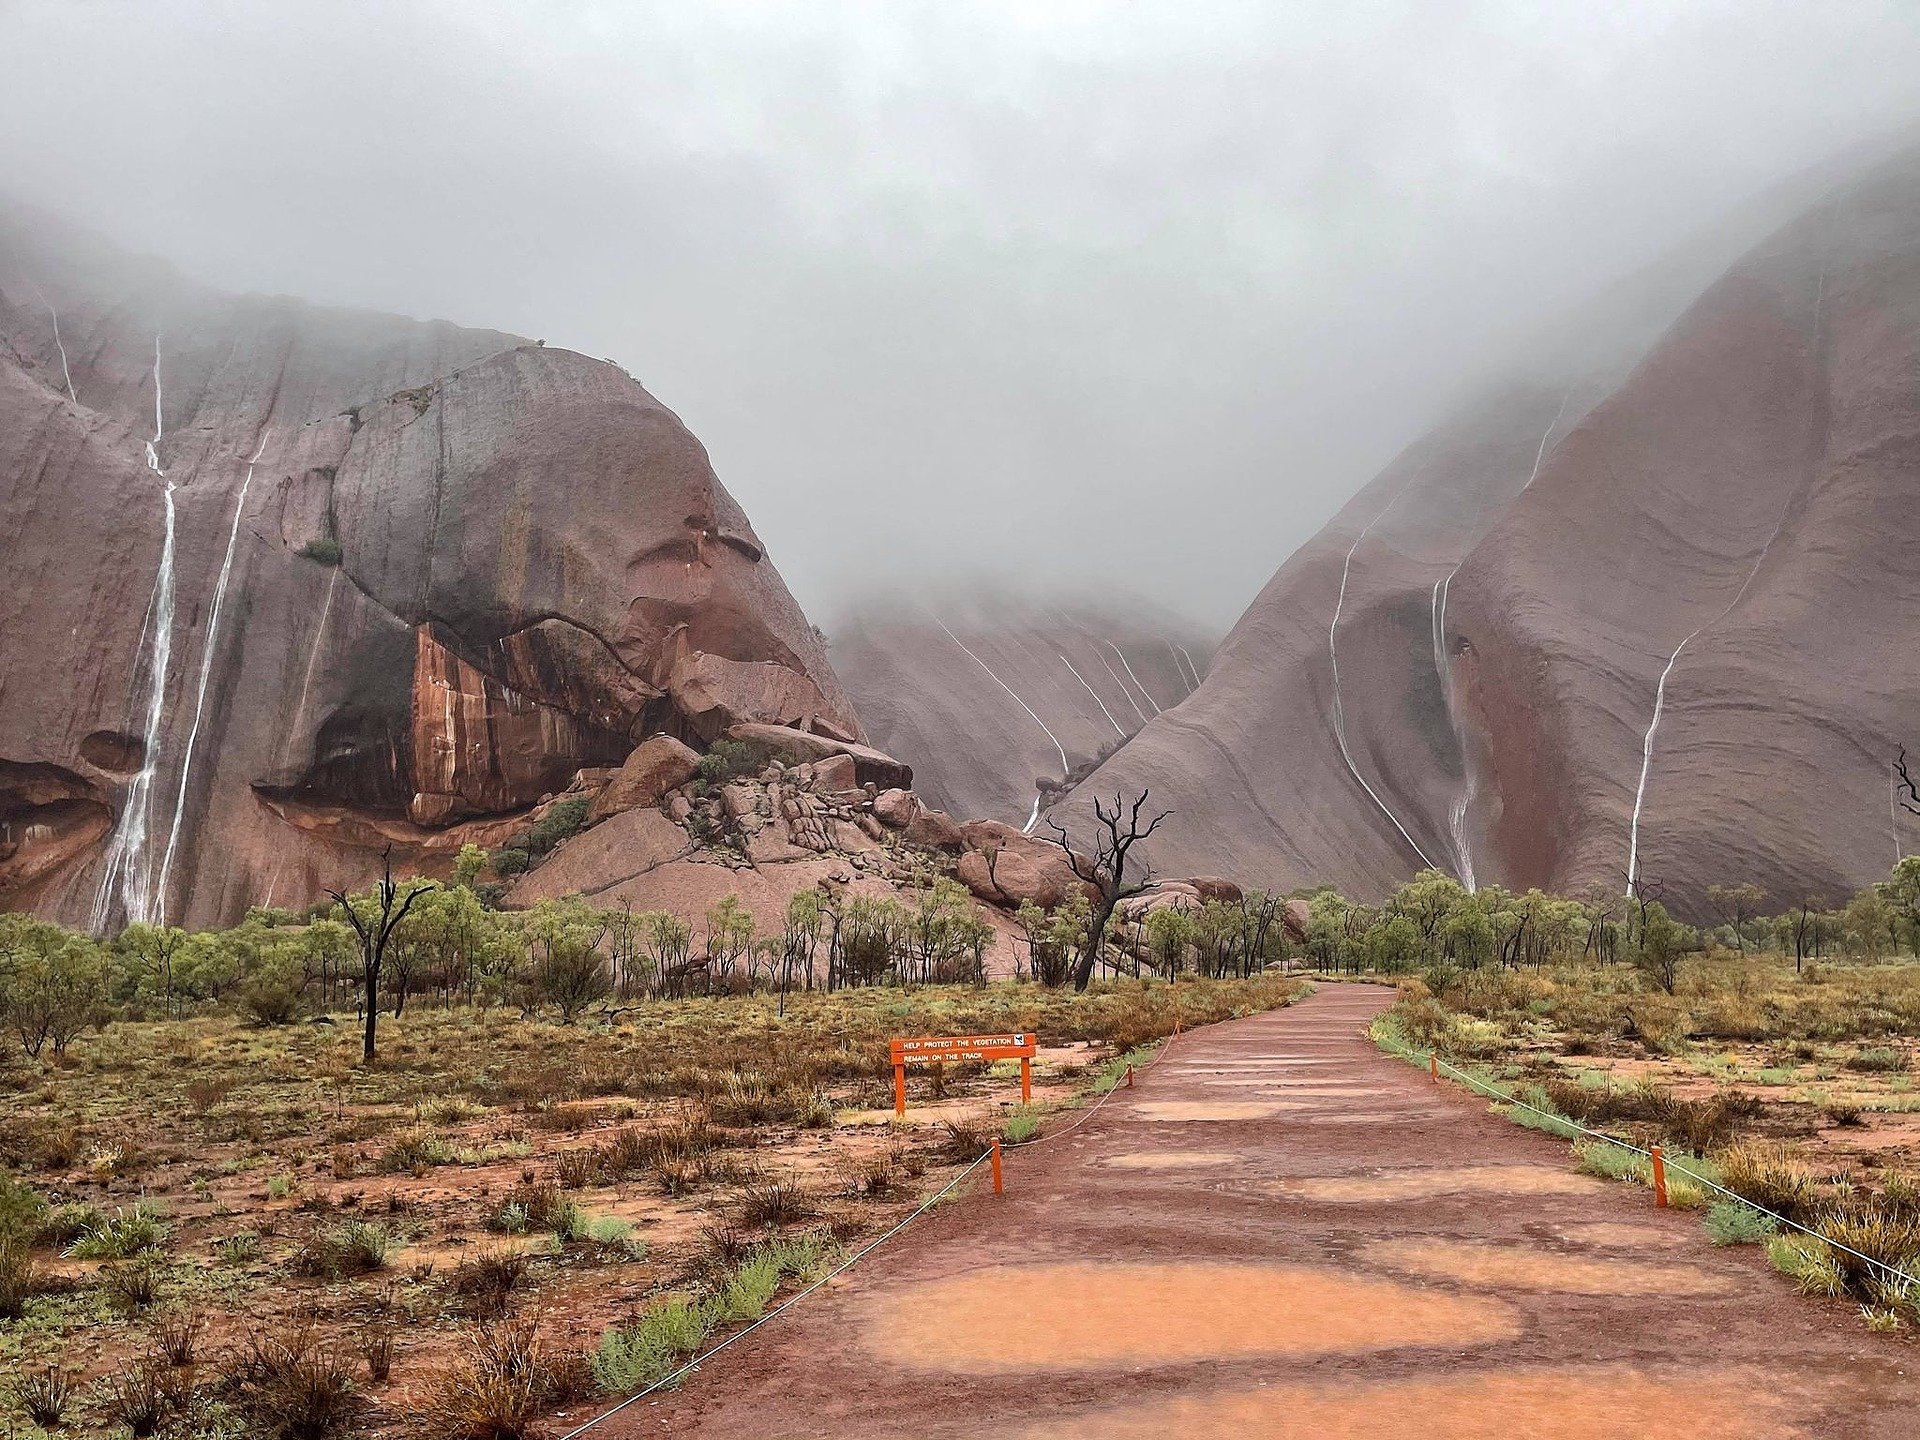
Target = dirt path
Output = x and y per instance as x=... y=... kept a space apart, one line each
x=1283 y=1233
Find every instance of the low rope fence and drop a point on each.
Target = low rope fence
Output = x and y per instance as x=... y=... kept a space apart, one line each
x=1658 y=1160
x=990 y=1155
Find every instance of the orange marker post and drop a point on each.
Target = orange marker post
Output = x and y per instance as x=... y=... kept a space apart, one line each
x=936 y=1049
x=1433 y=1063
x=1659 y=1179
x=998 y=1188
x=1129 y=1077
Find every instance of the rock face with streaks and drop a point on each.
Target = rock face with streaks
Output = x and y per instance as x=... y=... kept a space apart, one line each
x=418 y=576
x=1462 y=670
x=997 y=701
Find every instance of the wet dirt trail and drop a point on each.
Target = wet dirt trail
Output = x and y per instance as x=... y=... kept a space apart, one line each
x=1281 y=1233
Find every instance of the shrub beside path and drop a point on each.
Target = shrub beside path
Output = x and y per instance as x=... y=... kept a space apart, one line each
x=1281 y=1232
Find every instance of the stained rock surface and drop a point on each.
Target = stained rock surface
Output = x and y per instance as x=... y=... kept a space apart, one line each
x=1713 y=542
x=284 y=584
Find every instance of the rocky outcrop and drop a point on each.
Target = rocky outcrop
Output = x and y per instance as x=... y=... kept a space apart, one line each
x=997 y=701
x=1623 y=621
x=282 y=580
x=794 y=746
x=761 y=837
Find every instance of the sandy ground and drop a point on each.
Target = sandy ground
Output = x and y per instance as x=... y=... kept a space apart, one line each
x=1349 y=1251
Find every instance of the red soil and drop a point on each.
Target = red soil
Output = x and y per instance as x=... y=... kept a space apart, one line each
x=1099 y=1297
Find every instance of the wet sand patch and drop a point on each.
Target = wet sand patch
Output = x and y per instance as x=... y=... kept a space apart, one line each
x=1203 y=1110
x=1614 y=1236
x=1417 y=1184
x=1601 y=1404
x=1090 y=1316
x=1170 y=1160
x=1526 y=1267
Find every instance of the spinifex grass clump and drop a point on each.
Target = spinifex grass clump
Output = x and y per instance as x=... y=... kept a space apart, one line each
x=671 y=1332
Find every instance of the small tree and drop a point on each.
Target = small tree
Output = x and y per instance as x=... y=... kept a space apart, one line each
x=1116 y=832
x=1736 y=905
x=374 y=917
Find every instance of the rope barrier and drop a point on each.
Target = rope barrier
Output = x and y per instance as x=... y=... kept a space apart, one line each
x=667 y=1380
x=1505 y=1098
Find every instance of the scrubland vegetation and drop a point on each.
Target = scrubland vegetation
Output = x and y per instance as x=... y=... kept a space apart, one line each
x=1772 y=1055
x=562 y=1172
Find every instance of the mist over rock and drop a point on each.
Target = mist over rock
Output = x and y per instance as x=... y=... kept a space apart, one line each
x=998 y=700
x=285 y=584
x=1462 y=670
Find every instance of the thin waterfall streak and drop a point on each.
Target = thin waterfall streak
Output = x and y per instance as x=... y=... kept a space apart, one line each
x=207 y=648
x=1135 y=678
x=313 y=659
x=1033 y=819
x=1660 y=702
x=1339 y=708
x=1660 y=692
x=1192 y=669
x=66 y=371
x=1184 y=683
x=1065 y=766
x=127 y=868
x=1123 y=685
x=1096 y=697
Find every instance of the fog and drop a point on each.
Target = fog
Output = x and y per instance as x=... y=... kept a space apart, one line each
x=1093 y=296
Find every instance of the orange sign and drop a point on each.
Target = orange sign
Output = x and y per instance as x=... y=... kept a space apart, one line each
x=937 y=1049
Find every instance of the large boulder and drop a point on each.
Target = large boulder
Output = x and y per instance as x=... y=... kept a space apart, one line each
x=656 y=766
x=628 y=845
x=792 y=746
x=935 y=830
x=1007 y=868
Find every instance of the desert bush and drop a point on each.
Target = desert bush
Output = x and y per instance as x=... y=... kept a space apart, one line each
x=353 y=1247
x=176 y=1334
x=1877 y=1060
x=120 y=1235
x=964 y=1141
x=21 y=1277
x=44 y=1393
x=136 y=1398
x=775 y=1203
x=413 y=1152
x=1771 y=1178
x=485 y=1284
x=1871 y=1248
x=292 y=1385
x=376 y=1349
x=496 y=1388
x=134 y=1284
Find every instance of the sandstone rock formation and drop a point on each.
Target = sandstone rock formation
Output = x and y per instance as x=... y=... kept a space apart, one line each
x=284 y=584
x=1602 y=627
x=991 y=698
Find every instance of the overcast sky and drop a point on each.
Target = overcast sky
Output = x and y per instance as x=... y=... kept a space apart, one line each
x=1127 y=295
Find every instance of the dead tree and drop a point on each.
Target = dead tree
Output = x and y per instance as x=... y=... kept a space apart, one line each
x=1910 y=800
x=1116 y=832
x=374 y=932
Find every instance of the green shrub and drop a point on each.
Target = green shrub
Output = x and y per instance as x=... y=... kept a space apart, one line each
x=724 y=760
x=665 y=1337
x=333 y=1252
x=124 y=1233
x=324 y=550
x=22 y=1211
x=1729 y=1222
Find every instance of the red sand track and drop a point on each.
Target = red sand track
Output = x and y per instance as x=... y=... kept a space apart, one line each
x=1233 y=1299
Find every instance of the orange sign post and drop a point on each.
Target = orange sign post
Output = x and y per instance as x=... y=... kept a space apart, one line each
x=936 y=1050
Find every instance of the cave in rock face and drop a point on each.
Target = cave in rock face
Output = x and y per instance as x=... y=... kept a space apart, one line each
x=289 y=584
